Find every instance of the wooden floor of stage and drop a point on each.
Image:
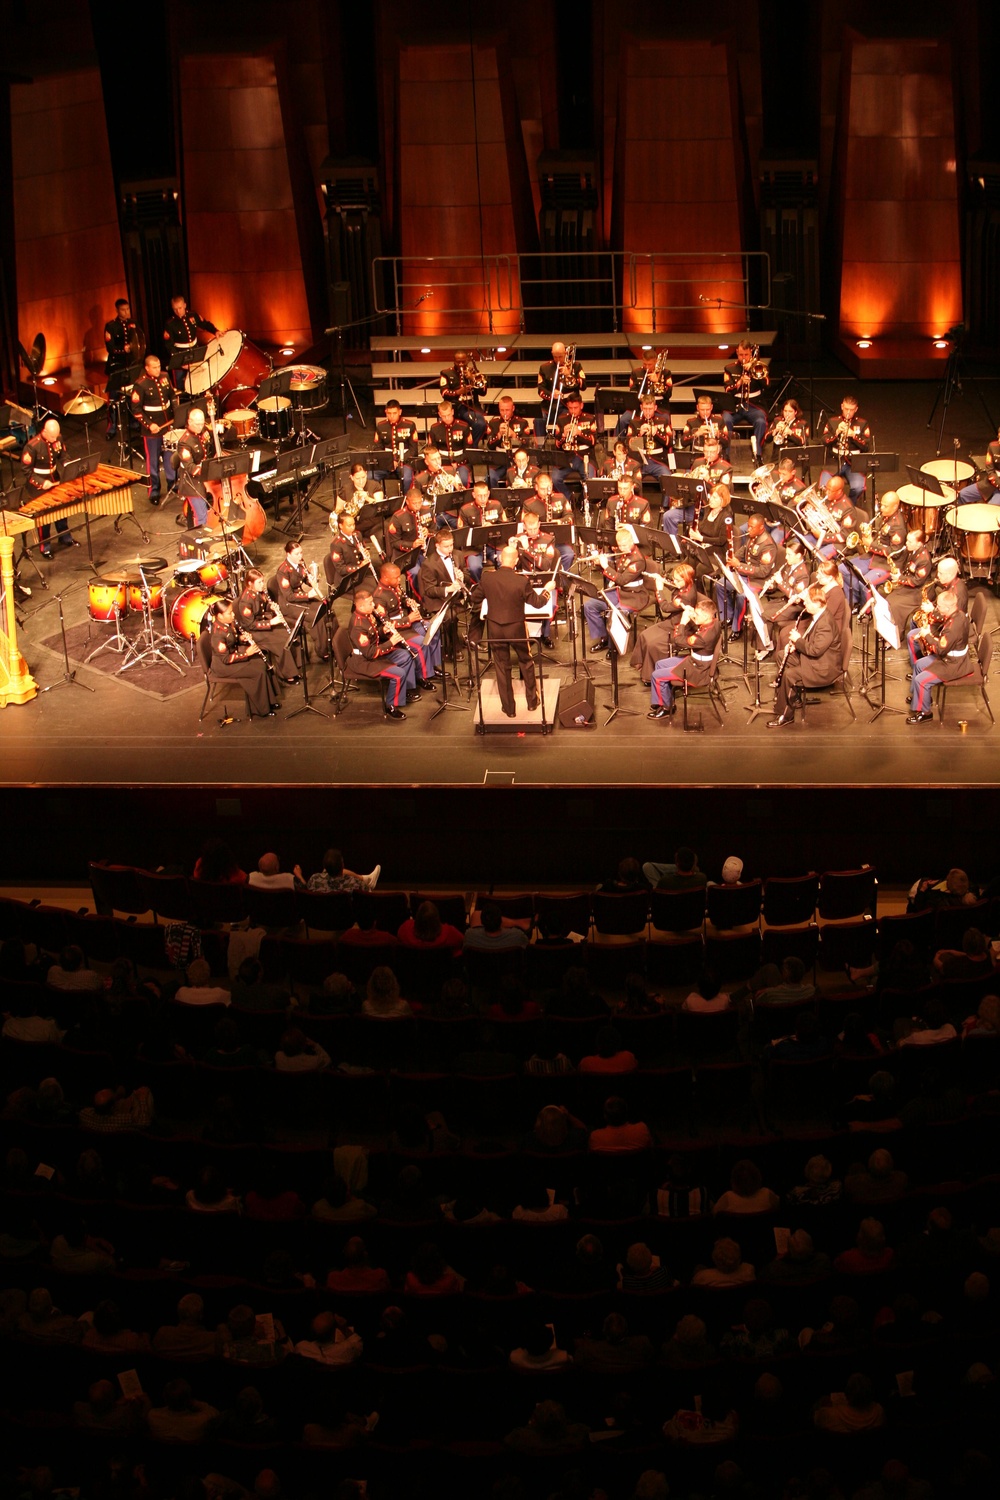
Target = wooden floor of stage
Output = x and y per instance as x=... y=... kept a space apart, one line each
x=123 y=734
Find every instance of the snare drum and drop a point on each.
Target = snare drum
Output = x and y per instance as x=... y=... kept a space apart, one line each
x=954 y=474
x=308 y=388
x=106 y=598
x=274 y=417
x=135 y=596
x=205 y=571
x=922 y=509
x=241 y=422
x=171 y=439
x=187 y=606
x=979 y=525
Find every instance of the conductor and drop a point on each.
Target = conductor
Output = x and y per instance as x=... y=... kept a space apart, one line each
x=506 y=592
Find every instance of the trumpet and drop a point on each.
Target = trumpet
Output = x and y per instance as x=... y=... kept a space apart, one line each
x=522 y=480
x=569 y=435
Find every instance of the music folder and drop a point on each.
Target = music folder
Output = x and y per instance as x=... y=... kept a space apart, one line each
x=79 y=468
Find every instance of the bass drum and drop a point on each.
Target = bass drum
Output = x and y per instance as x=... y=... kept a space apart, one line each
x=274 y=417
x=187 y=605
x=232 y=367
x=106 y=598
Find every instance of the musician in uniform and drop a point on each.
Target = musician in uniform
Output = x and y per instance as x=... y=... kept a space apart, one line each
x=626 y=507
x=397 y=435
x=554 y=509
x=757 y=559
x=713 y=528
x=375 y=654
x=789 y=582
x=482 y=510
x=625 y=575
x=505 y=433
x=675 y=594
x=706 y=423
x=576 y=438
x=121 y=340
x=450 y=436
x=347 y=552
x=915 y=566
x=463 y=386
x=407 y=530
x=944 y=656
x=296 y=589
x=714 y=468
x=536 y=548
x=651 y=438
x=695 y=641
x=558 y=372
x=651 y=377
x=40 y=457
x=945 y=580
x=434 y=480
x=620 y=464
x=261 y=619
x=985 y=488
x=506 y=592
x=813 y=659
x=181 y=333
x=522 y=473
x=152 y=406
x=888 y=534
x=747 y=378
x=790 y=430
x=192 y=451
x=440 y=577
x=397 y=607
x=849 y=435
x=359 y=496
x=236 y=656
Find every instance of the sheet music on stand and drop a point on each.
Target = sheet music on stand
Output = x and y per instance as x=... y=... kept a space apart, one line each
x=928 y=482
x=756 y=614
x=437 y=620
x=884 y=623
x=618 y=627
x=735 y=580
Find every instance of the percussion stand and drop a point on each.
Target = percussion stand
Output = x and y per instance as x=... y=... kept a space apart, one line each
x=148 y=643
x=69 y=677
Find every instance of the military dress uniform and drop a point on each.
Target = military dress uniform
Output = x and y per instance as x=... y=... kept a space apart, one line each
x=395 y=604
x=405 y=536
x=888 y=544
x=985 y=489
x=696 y=429
x=576 y=437
x=374 y=655
x=192 y=450
x=41 y=460
x=556 y=510
x=475 y=515
x=451 y=439
x=346 y=556
x=748 y=383
x=182 y=333
x=694 y=653
x=945 y=658
x=839 y=449
x=258 y=619
x=467 y=402
x=119 y=335
x=152 y=405
x=400 y=440
x=648 y=383
x=934 y=591
x=575 y=386
x=651 y=439
x=504 y=438
x=522 y=479
x=796 y=435
x=230 y=661
x=627 y=589
x=908 y=593
x=631 y=510
x=759 y=556
x=790 y=581
x=292 y=584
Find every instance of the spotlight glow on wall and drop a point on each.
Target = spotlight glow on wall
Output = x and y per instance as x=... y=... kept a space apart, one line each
x=864 y=343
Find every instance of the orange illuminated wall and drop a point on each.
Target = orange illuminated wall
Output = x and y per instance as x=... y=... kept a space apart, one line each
x=678 y=184
x=901 y=268
x=442 y=124
x=69 y=254
x=242 y=235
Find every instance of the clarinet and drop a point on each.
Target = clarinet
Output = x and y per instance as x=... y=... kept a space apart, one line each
x=788 y=651
x=243 y=635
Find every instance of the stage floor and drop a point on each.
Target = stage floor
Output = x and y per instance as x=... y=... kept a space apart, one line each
x=135 y=733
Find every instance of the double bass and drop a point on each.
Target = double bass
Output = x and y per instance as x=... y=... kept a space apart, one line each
x=224 y=492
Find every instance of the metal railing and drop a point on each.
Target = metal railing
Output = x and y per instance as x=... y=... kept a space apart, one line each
x=607 y=284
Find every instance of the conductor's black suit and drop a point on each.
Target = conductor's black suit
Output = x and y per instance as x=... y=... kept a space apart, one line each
x=506 y=593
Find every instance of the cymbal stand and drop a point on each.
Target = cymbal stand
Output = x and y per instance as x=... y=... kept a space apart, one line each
x=69 y=677
x=148 y=644
x=123 y=432
x=118 y=642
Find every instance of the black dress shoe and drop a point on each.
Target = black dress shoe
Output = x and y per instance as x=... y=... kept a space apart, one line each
x=291 y=681
x=599 y=646
x=426 y=685
x=68 y=540
x=924 y=718
x=546 y=642
x=511 y=713
x=412 y=698
x=45 y=550
x=663 y=712
x=788 y=717
x=154 y=500
x=394 y=713
x=532 y=705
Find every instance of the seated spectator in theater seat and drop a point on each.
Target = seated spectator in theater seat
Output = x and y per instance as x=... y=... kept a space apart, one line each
x=747 y=1193
x=74 y=1252
x=611 y=1056
x=210 y=1194
x=800 y=1263
x=71 y=972
x=22 y=1024
x=229 y=1050
x=245 y=1339
x=547 y=1059
x=927 y=1030
x=728 y=1267
x=383 y=1001
x=549 y=1433
x=335 y=1427
x=298 y=1053
x=688 y=1347
x=334 y=876
x=539 y=1205
x=934 y=1100
x=709 y=998
x=643 y=1272
x=108 y=1333
x=680 y=1195
x=805 y=1044
x=486 y=1060
x=366 y=932
x=820 y=1187
x=269 y=876
x=986 y=1021
x=513 y=1002
x=337 y=997
x=539 y=1353
x=954 y=890
x=576 y=999
x=105 y=1411
x=246 y=1421
x=14 y=963
x=425 y=930
x=253 y=990
x=338 y=1205
x=616 y=1352
x=627 y=879
x=410 y=1203
x=870 y=1254
x=770 y=1414
x=188 y=1338
x=970 y=961
x=704 y=1426
x=878 y=1181
x=940 y=1249
x=430 y=1275
x=859 y=1038
x=199 y=989
x=877 y=1108
x=843 y=1329
x=269 y=1199
x=417 y=1133
x=219 y=864
x=756 y=1337
x=904 y=969
x=682 y=875
x=491 y=936
x=856 y=1411
x=555 y=1132
x=43 y=1323
x=618 y=1133
x=792 y=989
x=333 y=1341
x=181 y=1419
x=357 y=1273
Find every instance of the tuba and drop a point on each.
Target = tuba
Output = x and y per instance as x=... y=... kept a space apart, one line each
x=814 y=515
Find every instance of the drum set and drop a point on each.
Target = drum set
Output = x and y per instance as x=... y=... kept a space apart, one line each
x=971 y=532
x=234 y=369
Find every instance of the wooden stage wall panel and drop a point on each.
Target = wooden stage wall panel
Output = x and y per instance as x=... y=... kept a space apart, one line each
x=442 y=120
x=69 y=252
x=901 y=258
x=678 y=179
x=243 y=243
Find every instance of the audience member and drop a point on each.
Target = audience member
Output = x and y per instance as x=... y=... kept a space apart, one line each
x=113 y=1111
x=618 y=1133
x=253 y=990
x=728 y=1267
x=188 y=1338
x=426 y=930
x=22 y=1024
x=366 y=933
x=71 y=973
x=643 y=1272
x=679 y=1196
x=338 y=1205
x=199 y=990
x=616 y=1352
x=181 y=1418
x=870 y=1255
x=855 y=1411
x=269 y=875
x=556 y=1132
x=539 y=1353
x=357 y=1273
x=210 y=1194
x=792 y=988
x=880 y=1181
x=970 y=961
x=820 y=1187
x=611 y=1056
x=747 y=1193
x=934 y=1027
x=298 y=1053
x=549 y=1432
x=217 y=863
x=333 y=1341
x=335 y=877
x=491 y=935
x=756 y=1337
x=709 y=998
x=682 y=875
x=688 y=1347
x=799 y=1263
x=383 y=1001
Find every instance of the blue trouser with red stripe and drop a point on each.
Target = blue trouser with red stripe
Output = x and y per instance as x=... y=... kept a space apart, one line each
x=665 y=673
x=428 y=657
x=400 y=673
x=152 y=447
x=926 y=676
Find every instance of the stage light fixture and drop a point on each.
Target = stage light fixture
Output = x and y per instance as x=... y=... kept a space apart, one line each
x=287 y=350
x=647 y=348
x=723 y=347
x=425 y=351
x=50 y=380
x=864 y=343
x=940 y=343
x=501 y=348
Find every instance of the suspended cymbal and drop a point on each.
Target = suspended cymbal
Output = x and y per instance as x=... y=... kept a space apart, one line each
x=84 y=404
x=122 y=575
x=147 y=564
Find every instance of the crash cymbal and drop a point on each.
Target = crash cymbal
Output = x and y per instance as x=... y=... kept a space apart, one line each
x=84 y=404
x=145 y=564
x=122 y=575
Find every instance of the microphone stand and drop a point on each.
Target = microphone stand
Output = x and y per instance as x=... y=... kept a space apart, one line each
x=69 y=677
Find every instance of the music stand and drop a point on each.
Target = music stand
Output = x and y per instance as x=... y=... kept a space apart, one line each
x=619 y=630
x=298 y=630
x=436 y=623
x=805 y=456
x=79 y=468
x=690 y=492
x=886 y=632
x=924 y=481
x=721 y=400
x=873 y=463
x=186 y=359
x=764 y=636
x=293 y=462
